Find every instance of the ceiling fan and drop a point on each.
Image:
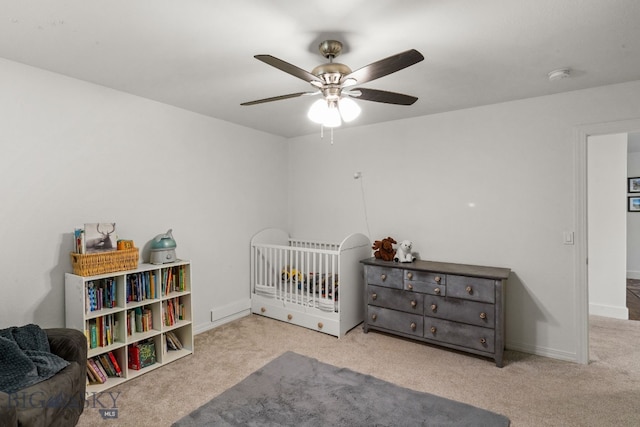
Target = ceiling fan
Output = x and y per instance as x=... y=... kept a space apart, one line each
x=335 y=82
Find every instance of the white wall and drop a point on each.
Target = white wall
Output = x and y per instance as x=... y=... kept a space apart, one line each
x=492 y=185
x=514 y=161
x=72 y=152
x=633 y=222
x=607 y=226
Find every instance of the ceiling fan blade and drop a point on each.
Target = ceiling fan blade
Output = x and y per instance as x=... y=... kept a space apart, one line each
x=384 y=96
x=384 y=67
x=288 y=68
x=278 y=98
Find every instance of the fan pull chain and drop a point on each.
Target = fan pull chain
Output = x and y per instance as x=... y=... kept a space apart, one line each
x=322 y=133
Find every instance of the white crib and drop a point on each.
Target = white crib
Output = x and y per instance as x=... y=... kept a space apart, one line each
x=313 y=284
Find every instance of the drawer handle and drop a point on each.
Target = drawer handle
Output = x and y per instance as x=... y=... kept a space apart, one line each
x=483 y=315
x=483 y=341
x=413 y=326
x=289 y=316
x=320 y=325
x=434 y=307
x=262 y=309
x=433 y=329
x=438 y=279
x=374 y=296
x=413 y=303
x=410 y=276
x=469 y=290
x=437 y=291
x=383 y=277
x=410 y=286
x=374 y=317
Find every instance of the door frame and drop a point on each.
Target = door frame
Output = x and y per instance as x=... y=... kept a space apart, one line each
x=581 y=283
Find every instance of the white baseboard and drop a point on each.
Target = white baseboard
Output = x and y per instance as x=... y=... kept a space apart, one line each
x=225 y=314
x=633 y=275
x=542 y=351
x=220 y=313
x=609 y=311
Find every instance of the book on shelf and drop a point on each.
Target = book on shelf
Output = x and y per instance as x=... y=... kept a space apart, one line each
x=141 y=286
x=102 y=331
x=102 y=367
x=142 y=354
x=152 y=284
x=107 y=365
x=174 y=279
x=114 y=362
x=181 y=281
x=93 y=334
x=100 y=294
x=173 y=343
x=91 y=364
x=138 y=317
x=99 y=367
x=91 y=377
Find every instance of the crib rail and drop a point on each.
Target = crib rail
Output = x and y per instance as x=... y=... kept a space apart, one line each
x=311 y=244
x=303 y=273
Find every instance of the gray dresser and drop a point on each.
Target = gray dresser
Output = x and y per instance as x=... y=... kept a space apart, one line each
x=453 y=305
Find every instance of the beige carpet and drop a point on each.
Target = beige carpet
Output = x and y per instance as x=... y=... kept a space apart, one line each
x=529 y=390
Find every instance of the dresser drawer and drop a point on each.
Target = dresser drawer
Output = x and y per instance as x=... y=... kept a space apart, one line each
x=383 y=276
x=460 y=310
x=396 y=321
x=425 y=287
x=468 y=336
x=425 y=276
x=395 y=299
x=471 y=288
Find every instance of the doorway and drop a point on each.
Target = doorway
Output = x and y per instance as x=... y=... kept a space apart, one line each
x=633 y=299
x=607 y=224
x=581 y=135
x=633 y=232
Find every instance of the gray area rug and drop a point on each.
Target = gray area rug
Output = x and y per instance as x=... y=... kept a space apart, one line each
x=295 y=390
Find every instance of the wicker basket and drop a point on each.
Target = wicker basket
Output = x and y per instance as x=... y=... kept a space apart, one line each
x=104 y=262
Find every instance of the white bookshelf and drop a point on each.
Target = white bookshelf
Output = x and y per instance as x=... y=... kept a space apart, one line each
x=78 y=315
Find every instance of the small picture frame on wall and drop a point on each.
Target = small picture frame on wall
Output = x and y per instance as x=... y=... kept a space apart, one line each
x=633 y=205
x=633 y=185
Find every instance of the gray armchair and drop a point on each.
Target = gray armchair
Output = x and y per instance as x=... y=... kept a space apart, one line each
x=59 y=400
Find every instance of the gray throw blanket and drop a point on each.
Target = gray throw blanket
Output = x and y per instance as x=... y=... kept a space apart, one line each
x=25 y=358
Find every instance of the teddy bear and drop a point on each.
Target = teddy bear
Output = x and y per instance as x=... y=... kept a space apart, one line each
x=384 y=249
x=403 y=253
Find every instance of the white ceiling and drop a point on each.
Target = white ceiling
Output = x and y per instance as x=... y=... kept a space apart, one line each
x=198 y=54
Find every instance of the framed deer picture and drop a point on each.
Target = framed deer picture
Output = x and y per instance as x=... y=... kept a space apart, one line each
x=100 y=237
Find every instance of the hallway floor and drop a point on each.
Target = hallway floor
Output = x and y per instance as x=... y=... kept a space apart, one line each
x=633 y=298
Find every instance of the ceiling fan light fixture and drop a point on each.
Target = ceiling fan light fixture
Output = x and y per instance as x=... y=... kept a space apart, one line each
x=318 y=111
x=332 y=117
x=349 y=109
x=325 y=113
